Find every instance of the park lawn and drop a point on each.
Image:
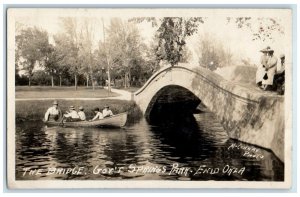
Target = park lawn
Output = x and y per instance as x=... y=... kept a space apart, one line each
x=129 y=89
x=61 y=92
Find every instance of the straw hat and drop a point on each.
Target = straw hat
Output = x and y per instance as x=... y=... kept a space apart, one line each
x=265 y=49
x=55 y=103
x=270 y=50
x=72 y=107
x=282 y=56
x=81 y=108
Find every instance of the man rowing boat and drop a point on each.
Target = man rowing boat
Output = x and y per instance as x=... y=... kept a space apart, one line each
x=53 y=113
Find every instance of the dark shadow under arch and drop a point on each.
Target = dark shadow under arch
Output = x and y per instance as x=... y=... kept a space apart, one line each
x=170 y=103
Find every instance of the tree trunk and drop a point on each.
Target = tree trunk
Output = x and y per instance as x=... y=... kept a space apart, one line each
x=129 y=79
x=75 y=82
x=92 y=78
x=121 y=82
x=125 y=81
x=87 y=80
x=108 y=77
x=30 y=74
x=101 y=79
x=59 y=80
x=52 y=81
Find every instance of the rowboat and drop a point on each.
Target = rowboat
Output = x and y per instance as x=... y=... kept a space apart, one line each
x=118 y=120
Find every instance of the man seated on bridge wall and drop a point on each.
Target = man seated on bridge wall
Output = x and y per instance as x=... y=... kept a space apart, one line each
x=279 y=78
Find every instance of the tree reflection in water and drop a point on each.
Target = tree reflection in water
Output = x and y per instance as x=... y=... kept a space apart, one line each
x=191 y=141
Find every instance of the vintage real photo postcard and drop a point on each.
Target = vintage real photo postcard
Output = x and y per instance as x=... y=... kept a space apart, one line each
x=149 y=98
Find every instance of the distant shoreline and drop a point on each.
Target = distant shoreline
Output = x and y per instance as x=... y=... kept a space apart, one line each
x=35 y=109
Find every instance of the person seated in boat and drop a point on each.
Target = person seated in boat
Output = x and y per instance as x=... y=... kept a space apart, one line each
x=81 y=113
x=98 y=114
x=107 y=112
x=71 y=115
x=53 y=113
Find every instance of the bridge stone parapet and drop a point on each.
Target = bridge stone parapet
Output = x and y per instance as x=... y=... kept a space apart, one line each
x=248 y=115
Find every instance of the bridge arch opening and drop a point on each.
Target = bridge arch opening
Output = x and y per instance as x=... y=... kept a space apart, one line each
x=171 y=103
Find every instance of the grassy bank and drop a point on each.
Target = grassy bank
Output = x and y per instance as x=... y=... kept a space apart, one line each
x=61 y=92
x=35 y=110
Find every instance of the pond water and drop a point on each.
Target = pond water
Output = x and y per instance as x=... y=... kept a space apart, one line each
x=197 y=149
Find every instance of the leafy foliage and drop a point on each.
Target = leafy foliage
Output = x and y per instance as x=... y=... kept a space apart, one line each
x=171 y=36
x=213 y=54
x=32 y=47
x=262 y=29
x=68 y=52
x=125 y=49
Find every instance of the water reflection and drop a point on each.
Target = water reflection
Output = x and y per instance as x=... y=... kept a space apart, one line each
x=195 y=143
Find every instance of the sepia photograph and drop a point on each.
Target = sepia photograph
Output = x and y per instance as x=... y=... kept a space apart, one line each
x=149 y=98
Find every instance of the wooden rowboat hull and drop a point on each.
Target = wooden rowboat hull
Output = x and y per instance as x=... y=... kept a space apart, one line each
x=118 y=120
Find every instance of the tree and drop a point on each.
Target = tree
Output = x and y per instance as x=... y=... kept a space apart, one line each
x=40 y=78
x=69 y=46
x=68 y=52
x=32 y=45
x=124 y=47
x=101 y=61
x=171 y=35
x=87 y=61
x=151 y=61
x=57 y=60
x=51 y=61
x=76 y=43
x=213 y=55
x=186 y=55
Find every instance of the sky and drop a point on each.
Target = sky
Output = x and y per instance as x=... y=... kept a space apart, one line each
x=239 y=41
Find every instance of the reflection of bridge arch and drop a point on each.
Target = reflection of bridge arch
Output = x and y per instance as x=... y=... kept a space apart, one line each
x=248 y=115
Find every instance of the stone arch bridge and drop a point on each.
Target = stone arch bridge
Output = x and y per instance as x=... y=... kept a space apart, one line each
x=248 y=115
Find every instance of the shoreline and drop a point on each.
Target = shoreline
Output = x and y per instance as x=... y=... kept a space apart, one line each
x=26 y=110
x=116 y=94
